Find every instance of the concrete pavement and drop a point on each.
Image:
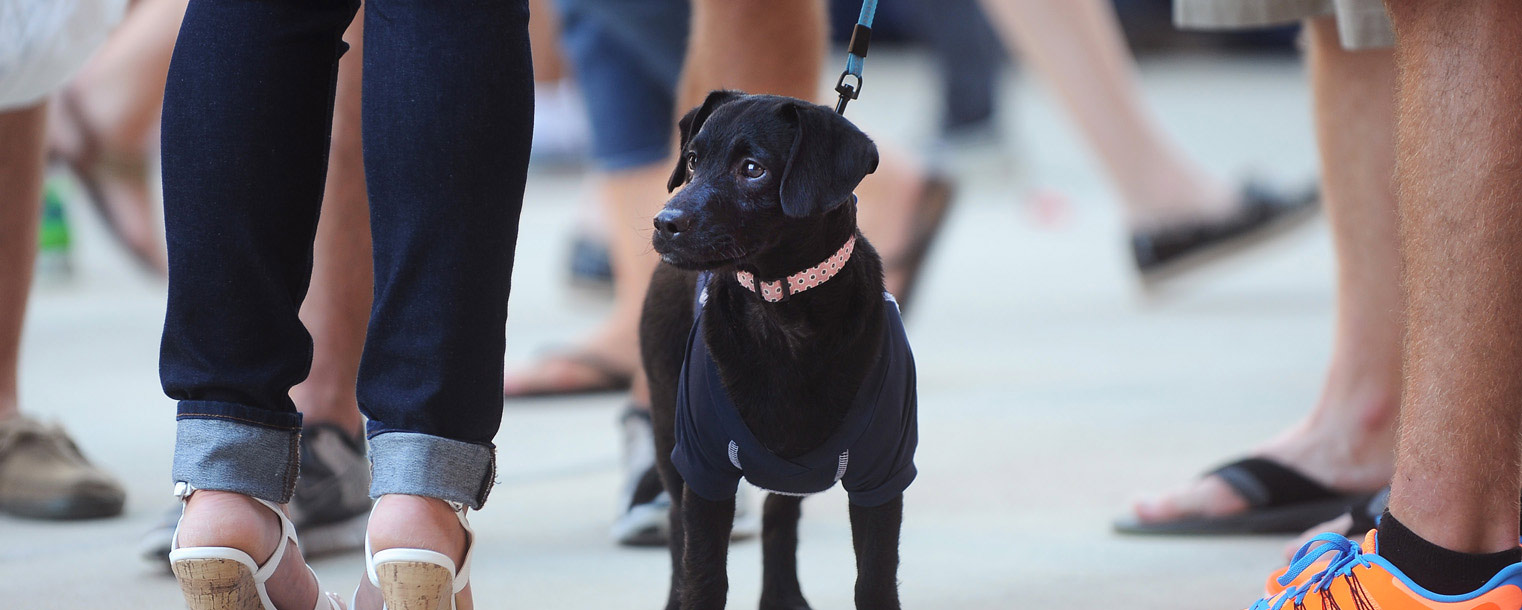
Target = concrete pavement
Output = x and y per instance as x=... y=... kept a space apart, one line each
x=1050 y=391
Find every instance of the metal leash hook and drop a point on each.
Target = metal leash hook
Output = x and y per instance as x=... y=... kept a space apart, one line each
x=856 y=56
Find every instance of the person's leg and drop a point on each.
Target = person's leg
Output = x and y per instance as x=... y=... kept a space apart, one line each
x=969 y=58
x=244 y=162
x=102 y=122
x=121 y=89
x=21 y=167
x=1452 y=524
x=1345 y=442
x=629 y=199
x=1077 y=47
x=331 y=499
x=1459 y=182
x=446 y=157
x=42 y=472
x=337 y=307
x=627 y=58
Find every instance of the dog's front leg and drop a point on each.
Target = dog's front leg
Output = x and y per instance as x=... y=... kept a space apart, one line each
x=874 y=533
x=706 y=526
x=779 y=554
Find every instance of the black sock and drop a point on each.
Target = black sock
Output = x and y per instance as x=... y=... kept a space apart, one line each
x=1435 y=568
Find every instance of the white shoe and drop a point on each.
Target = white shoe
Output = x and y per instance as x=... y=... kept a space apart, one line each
x=420 y=579
x=225 y=578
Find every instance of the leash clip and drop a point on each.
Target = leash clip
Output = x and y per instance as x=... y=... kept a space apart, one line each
x=847 y=91
x=856 y=56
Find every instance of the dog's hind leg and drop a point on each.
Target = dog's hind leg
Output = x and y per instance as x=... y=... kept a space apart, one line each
x=874 y=533
x=779 y=554
x=706 y=525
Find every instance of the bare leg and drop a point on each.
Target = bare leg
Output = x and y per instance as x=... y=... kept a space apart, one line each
x=544 y=38
x=21 y=166
x=777 y=46
x=106 y=118
x=337 y=307
x=1078 y=49
x=122 y=87
x=727 y=35
x=1346 y=440
x=630 y=199
x=1457 y=472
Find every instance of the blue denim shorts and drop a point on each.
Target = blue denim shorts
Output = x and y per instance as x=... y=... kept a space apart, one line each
x=628 y=58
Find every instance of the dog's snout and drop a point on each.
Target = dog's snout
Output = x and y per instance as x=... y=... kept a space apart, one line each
x=672 y=222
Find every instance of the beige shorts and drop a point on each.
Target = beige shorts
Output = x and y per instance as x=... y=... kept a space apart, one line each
x=1362 y=24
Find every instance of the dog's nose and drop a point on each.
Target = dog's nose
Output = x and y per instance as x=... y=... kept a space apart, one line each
x=671 y=222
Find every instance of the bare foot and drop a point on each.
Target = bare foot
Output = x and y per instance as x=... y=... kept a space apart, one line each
x=1204 y=200
x=415 y=522
x=886 y=213
x=120 y=174
x=605 y=360
x=226 y=519
x=1348 y=461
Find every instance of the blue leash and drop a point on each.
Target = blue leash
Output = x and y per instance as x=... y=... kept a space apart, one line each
x=856 y=56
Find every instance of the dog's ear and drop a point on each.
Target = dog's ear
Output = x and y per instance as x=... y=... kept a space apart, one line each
x=829 y=158
x=690 y=125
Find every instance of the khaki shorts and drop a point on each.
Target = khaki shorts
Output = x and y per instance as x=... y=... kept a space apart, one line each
x=1362 y=24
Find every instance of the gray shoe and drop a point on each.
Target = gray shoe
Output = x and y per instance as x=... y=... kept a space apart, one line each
x=645 y=520
x=331 y=505
x=43 y=475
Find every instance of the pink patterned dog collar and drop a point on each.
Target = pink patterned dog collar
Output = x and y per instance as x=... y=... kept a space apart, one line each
x=776 y=290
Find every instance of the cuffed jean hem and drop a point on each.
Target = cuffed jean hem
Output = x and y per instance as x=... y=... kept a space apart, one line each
x=226 y=453
x=431 y=466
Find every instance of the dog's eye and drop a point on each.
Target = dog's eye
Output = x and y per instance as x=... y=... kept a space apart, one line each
x=692 y=163
x=754 y=170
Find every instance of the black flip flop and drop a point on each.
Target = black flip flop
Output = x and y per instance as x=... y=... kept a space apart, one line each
x=1280 y=501
x=1166 y=253
x=929 y=215
x=1366 y=511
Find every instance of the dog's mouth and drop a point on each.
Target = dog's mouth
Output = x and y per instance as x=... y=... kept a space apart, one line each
x=711 y=257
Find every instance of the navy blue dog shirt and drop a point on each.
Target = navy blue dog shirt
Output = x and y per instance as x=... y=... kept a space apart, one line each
x=871 y=455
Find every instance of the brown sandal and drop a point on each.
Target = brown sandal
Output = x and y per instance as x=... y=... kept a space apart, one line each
x=607 y=377
x=92 y=166
x=929 y=215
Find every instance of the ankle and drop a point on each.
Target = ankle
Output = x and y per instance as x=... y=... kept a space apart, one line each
x=417 y=522
x=1191 y=198
x=1437 y=568
x=227 y=519
x=1338 y=452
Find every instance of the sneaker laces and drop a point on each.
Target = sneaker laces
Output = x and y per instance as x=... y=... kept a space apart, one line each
x=1348 y=556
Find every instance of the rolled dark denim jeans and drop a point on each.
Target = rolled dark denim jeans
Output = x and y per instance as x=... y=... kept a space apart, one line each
x=448 y=114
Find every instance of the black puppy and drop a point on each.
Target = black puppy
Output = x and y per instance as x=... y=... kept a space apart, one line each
x=772 y=350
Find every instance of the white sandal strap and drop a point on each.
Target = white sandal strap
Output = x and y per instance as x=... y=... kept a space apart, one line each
x=460 y=575
x=261 y=574
x=462 y=578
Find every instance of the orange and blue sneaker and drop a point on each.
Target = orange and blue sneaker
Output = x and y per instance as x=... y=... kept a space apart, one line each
x=1349 y=578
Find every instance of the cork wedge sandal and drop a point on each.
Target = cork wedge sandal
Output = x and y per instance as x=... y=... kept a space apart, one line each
x=420 y=579
x=225 y=578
